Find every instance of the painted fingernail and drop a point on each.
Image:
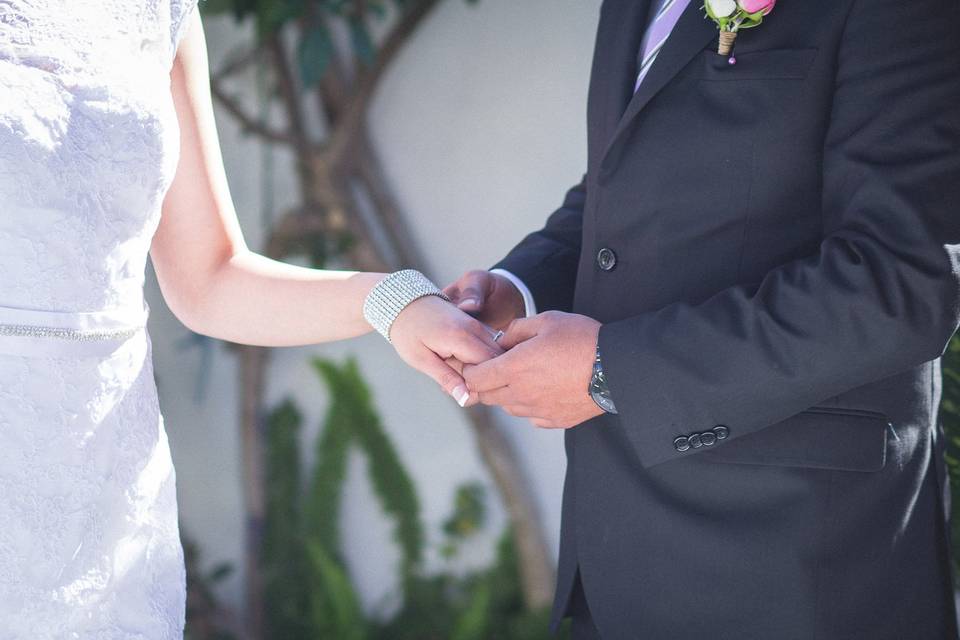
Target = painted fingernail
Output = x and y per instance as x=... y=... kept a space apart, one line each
x=461 y=395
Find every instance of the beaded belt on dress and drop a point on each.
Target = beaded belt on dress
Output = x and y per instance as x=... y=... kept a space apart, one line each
x=54 y=333
x=26 y=331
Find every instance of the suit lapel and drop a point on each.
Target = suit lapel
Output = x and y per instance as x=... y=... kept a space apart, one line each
x=615 y=60
x=691 y=34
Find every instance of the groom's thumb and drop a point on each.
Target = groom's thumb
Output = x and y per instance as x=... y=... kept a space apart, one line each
x=471 y=302
x=468 y=293
x=518 y=331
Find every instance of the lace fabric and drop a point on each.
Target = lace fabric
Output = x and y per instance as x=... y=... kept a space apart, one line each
x=89 y=544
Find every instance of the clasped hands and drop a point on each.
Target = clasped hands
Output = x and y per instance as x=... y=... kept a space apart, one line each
x=539 y=369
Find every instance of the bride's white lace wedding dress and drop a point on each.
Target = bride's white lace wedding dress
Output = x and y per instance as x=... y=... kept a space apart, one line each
x=89 y=544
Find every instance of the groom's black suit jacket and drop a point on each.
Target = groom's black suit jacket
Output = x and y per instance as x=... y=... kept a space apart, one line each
x=772 y=247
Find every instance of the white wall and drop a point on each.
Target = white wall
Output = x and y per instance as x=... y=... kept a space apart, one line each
x=481 y=127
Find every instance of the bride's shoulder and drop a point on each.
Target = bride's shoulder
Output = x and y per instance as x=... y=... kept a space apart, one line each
x=180 y=12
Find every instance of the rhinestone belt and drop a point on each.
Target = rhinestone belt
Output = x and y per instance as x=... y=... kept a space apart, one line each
x=29 y=331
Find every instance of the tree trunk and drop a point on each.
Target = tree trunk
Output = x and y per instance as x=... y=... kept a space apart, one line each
x=537 y=573
x=328 y=174
x=253 y=364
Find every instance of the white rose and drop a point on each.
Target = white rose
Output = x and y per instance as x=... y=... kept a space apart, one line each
x=721 y=8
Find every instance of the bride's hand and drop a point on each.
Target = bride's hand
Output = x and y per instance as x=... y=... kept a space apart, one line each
x=430 y=331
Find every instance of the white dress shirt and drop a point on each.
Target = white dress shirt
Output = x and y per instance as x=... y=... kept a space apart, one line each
x=528 y=301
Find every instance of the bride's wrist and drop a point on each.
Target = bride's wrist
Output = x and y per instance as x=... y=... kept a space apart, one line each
x=394 y=293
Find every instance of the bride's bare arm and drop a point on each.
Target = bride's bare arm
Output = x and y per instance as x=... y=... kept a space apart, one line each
x=216 y=286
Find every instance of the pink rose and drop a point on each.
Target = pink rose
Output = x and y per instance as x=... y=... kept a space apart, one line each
x=753 y=6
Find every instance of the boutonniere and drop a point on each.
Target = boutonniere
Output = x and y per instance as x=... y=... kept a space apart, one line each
x=733 y=15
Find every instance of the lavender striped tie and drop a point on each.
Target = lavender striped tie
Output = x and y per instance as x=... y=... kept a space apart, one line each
x=657 y=33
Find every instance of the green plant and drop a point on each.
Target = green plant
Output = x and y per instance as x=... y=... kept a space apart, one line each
x=307 y=585
x=469 y=512
x=207 y=618
x=284 y=573
x=306 y=588
x=317 y=88
x=483 y=605
x=352 y=419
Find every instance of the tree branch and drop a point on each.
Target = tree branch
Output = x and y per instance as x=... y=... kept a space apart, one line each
x=293 y=227
x=354 y=114
x=392 y=45
x=387 y=211
x=291 y=96
x=248 y=123
x=237 y=62
x=537 y=575
x=332 y=91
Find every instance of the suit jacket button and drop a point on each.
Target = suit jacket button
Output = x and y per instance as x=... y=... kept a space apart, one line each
x=721 y=431
x=696 y=441
x=681 y=444
x=708 y=438
x=606 y=259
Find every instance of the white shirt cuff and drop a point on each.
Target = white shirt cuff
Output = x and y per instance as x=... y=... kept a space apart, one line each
x=528 y=302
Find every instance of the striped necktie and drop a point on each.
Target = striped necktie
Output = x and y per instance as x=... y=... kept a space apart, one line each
x=657 y=33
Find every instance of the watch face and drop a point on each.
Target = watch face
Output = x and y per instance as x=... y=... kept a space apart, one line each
x=597 y=383
x=596 y=387
x=599 y=391
x=605 y=403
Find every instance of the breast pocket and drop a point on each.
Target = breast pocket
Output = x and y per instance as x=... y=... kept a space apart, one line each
x=771 y=64
x=820 y=437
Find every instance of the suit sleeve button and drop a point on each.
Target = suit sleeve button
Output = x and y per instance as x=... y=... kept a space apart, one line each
x=696 y=441
x=721 y=432
x=606 y=259
x=681 y=444
x=708 y=438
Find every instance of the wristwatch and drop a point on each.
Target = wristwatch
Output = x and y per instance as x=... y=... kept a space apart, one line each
x=598 y=387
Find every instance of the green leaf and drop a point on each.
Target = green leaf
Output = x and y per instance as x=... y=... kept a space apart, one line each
x=378 y=9
x=322 y=507
x=337 y=609
x=286 y=602
x=469 y=511
x=391 y=482
x=271 y=16
x=220 y=572
x=314 y=52
x=214 y=7
x=472 y=625
x=361 y=39
x=950 y=420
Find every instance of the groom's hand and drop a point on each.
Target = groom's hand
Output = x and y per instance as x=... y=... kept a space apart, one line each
x=489 y=297
x=545 y=373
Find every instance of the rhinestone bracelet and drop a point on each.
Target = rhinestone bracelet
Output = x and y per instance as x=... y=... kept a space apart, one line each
x=393 y=294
